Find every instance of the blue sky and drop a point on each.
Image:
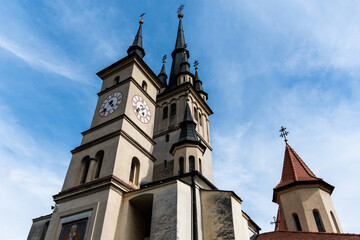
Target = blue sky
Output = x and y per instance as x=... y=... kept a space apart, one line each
x=263 y=63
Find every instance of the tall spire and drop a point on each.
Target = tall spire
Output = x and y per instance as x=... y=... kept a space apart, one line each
x=162 y=75
x=180 y=56
x=137 y=46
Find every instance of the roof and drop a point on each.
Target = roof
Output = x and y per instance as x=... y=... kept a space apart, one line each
x=294 y=235
x=295 y=171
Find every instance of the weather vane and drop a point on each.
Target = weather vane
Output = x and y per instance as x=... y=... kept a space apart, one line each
x=180 y=8
x=164 y=58
x=196 y=63
x=284 y=133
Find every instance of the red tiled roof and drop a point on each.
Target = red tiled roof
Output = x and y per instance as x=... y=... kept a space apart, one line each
x=292 y=235
x=294 y=169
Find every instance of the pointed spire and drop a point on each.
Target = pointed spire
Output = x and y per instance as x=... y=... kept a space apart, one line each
x=180 y=39
x=162 y=75
x=137 y=46
x=197 y=82
x=188 y=127
x=295 y=169
x=180 y=56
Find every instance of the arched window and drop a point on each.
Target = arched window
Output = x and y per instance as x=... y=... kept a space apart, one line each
x=144 y=86
x=318 y=221
x=297 y=222
x=200 y=165
x=181 y=165
x=134 y=171
x=116 y=80
x=85 y=163
x=335 y=223
x=165 y=112
x=191 y=163
x=99 y=159
x=167 y=137
x=200 y=120
x=195 y=114
x=173 y=109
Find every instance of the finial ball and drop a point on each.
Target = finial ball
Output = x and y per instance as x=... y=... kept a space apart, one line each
x=180 y=15
x=141 y=21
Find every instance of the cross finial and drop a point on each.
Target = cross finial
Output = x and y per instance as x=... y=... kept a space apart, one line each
x=196 y=63
x=164 y=58
x=275 y=222
x=284 y=133
x=180 y=15
x=141 y=18
x=180 y=8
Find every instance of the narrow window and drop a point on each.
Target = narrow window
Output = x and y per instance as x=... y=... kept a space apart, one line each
x=165 y=112
x=335 y=223
x=116 y=80
x=86 y=164
x=318 y=221
x=191 y=163
x=195 y=114
x=173 y=109
x=99 y=159
x=134 y=171
x=297 y=222
x=200 y=166
x=167 y=137
x=165 y=163
x=181 y=165
x=144 y=86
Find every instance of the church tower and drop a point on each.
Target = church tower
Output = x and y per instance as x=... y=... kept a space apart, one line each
x=115 y=154
x=143 y=171
x=304 y=200
x=184 y=93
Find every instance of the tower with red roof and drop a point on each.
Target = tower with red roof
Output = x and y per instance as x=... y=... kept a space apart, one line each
x=304 y=199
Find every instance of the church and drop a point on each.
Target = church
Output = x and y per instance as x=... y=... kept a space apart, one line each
x=143 y=169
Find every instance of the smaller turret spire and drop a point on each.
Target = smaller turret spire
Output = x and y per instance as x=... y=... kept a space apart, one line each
x=188 y=126
x=197 y=82
x=162 y=75
x=137 y=46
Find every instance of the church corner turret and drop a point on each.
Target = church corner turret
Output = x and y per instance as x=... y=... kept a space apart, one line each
x=304 y=199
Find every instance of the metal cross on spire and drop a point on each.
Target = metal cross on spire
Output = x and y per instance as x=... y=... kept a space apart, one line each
x=196 y=63
x=164 y=58
x=284 y=133
x=275 y=222
x=141 y=18
x=180 y=8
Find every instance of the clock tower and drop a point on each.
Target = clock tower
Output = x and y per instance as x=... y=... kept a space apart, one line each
x=115 y=154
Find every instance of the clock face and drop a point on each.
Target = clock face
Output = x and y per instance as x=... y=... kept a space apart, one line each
x=141 y=109
x=110 y=104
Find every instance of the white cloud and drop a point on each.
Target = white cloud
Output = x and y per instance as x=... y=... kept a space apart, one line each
x=27 y=179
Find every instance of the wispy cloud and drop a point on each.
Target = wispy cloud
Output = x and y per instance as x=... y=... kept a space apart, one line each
x=30 y=178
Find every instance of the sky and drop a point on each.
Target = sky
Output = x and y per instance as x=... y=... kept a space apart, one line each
x=264 y=64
